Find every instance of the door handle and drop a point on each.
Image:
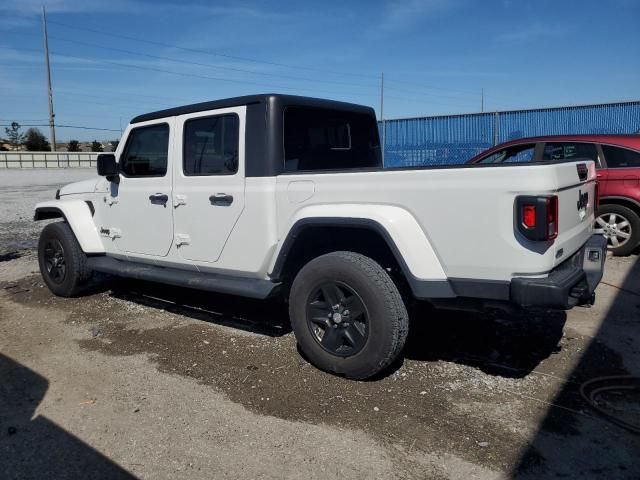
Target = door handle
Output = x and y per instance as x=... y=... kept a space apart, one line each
x=221 y=199
x=159 y=198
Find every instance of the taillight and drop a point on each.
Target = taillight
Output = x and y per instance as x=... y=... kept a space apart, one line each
x=529 y=216
x=537 y=217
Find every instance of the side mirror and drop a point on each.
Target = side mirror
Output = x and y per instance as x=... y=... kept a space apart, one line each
x=107 y=166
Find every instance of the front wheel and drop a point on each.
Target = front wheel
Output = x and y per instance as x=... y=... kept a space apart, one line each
x=63 y=264
x=347 y=315
x=620 y=226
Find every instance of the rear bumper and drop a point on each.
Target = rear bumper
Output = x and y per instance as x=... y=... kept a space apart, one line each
x=571 y=283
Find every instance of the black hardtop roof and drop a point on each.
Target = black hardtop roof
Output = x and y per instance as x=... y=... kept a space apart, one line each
x=272 y=99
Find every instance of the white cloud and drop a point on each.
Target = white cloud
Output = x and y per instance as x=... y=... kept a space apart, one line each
x=405 y=13
x=534 y=31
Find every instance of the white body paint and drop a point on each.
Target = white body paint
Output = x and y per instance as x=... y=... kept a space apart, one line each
x=445 y=222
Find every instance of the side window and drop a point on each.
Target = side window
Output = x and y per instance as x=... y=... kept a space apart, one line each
x=514 y=154
x=620 y=157
x=325 y=139
x=211 y=145
x=569 y=151
x=146 y=151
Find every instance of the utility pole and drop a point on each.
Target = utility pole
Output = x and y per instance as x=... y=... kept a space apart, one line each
x=384 y=133
x=482 y=101
x=52 y=126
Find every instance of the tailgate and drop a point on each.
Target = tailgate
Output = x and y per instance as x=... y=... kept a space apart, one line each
x=576 y=190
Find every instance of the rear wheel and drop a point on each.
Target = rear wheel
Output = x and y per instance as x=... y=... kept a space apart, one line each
x=621 y=227
x=348 y=315
x=63 y=264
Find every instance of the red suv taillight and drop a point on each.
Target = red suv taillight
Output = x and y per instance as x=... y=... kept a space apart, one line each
x=537 y=217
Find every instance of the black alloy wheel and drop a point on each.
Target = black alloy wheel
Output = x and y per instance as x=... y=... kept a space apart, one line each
x=338 y=319
x=54 y=261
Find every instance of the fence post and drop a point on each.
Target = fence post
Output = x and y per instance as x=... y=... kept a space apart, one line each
x=496 y=129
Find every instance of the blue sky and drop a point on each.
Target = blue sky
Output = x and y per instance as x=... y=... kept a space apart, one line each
x=436 y=55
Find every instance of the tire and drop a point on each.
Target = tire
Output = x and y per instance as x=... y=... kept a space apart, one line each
x=58 y=241
x=361 y=342
x=623 y=235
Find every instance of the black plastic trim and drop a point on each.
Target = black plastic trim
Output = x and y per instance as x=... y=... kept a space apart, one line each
x=486 y=289
x=211 y=282
x=423 y=289
x=569 y=284
x=46 y=213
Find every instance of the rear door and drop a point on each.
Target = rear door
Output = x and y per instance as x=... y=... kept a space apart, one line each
x=209 y=181
x=623 y=172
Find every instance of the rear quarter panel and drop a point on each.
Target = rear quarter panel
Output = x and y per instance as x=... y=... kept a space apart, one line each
x=466 y=214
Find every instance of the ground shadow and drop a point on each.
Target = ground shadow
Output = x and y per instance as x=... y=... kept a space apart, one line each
x=35 y=447
x=6 y=257
x=573 y=440
x=498 y=343
x=264 y=317
x=509 y=345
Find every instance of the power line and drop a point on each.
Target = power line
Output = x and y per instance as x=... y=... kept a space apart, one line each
x=210 y=65
x=229 y=80
x=209 y=52
x=207 y=77
x=64 y=126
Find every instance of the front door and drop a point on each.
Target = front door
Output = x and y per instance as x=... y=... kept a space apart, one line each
x=139 y=217
x=208 y=195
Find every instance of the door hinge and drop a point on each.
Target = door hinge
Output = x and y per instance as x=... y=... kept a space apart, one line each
x=110 y=232
x=179 y=200
x=182 y=239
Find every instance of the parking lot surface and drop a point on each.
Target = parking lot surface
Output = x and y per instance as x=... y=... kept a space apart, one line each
x=140 y=380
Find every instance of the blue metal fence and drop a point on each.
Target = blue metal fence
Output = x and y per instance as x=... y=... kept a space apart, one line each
x=454 y=139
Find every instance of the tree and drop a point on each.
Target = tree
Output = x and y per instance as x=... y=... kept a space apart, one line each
x=35 y=141
x=74 y=146
x=96 y=146
x=13 y=135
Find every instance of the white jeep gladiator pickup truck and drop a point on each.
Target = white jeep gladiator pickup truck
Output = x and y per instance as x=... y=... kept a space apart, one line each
x=277 y=195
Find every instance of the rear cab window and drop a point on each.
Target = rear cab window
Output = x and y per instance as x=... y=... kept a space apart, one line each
x=617 y=157
x=325 y=139
x=513 y=154
x=569 y=151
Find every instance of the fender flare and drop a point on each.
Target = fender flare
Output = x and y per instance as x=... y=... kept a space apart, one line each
x=79 y=215
x=412 y=249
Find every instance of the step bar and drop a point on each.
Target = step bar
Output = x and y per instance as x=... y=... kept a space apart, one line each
x=211 y=282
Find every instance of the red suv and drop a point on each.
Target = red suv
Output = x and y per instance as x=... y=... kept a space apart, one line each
x=618 y=162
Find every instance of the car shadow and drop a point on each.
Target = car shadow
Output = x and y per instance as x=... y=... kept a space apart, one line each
x=508 y=345
x=504 y=344
x=573 y=439
x=34 y=447
x=264 y=317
